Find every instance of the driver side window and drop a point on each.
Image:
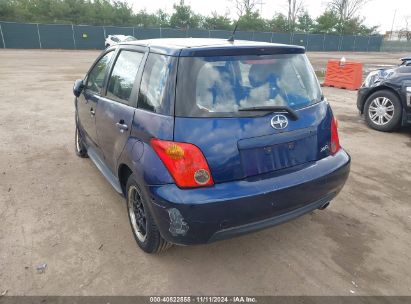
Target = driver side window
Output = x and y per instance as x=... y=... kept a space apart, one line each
x=95 y=78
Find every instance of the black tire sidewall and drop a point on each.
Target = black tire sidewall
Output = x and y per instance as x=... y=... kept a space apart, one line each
x=152 y=242
x=395 y=121
x=77 y=136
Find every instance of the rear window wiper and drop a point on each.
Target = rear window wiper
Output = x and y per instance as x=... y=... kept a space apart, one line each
x=287 y=109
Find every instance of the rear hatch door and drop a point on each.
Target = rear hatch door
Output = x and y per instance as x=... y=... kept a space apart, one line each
x=251 y=114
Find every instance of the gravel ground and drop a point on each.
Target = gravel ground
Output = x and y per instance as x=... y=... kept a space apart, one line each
x=58 y=209
x=370 y=61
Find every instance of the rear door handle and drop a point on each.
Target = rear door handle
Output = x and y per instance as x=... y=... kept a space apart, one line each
x=92 y=112
x=121 y=126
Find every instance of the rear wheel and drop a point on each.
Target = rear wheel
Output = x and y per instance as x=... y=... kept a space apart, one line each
x=142 y=223
x=80 y=148
x=383 y=111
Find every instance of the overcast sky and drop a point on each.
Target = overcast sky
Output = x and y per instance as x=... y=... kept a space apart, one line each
x=376 y=12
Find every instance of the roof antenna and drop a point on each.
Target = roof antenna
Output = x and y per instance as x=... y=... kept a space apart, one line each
x=231 y=39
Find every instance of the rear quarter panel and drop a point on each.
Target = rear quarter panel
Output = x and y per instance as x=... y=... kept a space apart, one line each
x=138 y=154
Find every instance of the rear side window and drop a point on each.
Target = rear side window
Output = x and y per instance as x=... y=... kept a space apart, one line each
x=123 y=76
x=225 y=86
x=96 y=76
x=158 y=84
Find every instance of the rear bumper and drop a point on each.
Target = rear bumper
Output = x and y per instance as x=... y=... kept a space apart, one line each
x=204 y=215
x=270 y=222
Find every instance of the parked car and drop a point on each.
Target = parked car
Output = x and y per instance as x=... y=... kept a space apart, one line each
x=209 y=139
x=114 y=39
x=406 y=61
x=385 y=97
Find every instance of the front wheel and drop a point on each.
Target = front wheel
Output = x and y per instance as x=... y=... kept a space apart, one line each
x=383 y=111
x=142 y=223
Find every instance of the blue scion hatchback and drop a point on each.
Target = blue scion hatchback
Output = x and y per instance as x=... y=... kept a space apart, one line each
x=209 y=139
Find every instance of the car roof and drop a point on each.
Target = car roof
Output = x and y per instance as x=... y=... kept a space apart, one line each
x=214 y=47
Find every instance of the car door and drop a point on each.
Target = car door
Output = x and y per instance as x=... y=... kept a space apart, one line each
x=88 y=99
x=115 y=110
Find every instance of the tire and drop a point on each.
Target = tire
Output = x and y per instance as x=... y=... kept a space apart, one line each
x=79 y=146
x=145 y=230
x=383 y=111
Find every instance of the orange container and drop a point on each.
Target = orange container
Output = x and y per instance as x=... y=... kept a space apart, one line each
x=344 y=76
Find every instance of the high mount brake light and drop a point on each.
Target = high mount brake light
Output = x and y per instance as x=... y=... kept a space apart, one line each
x=185 y=162
x=335 y=141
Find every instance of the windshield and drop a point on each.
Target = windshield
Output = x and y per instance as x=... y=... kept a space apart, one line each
x=226 y=86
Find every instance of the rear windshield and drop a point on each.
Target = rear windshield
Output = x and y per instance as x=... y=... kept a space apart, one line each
x=226 y=86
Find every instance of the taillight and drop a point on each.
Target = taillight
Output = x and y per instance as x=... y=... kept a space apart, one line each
x=335 y=141
x=185 y=162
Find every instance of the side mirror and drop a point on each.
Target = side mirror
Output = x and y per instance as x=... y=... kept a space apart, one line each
x=78 y=87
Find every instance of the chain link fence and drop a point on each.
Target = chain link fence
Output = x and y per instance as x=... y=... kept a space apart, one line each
x=396 y=46
x=67 y=36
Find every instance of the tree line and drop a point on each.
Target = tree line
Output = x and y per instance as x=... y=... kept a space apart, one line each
x=338 y=18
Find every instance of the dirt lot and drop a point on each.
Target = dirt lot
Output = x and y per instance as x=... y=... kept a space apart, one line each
x=58 y=209
x=369 y=60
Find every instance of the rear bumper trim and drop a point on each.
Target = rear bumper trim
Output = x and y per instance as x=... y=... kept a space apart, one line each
x=266 y=223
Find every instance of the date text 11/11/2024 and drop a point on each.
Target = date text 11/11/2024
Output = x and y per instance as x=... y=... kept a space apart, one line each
x=203 y=299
